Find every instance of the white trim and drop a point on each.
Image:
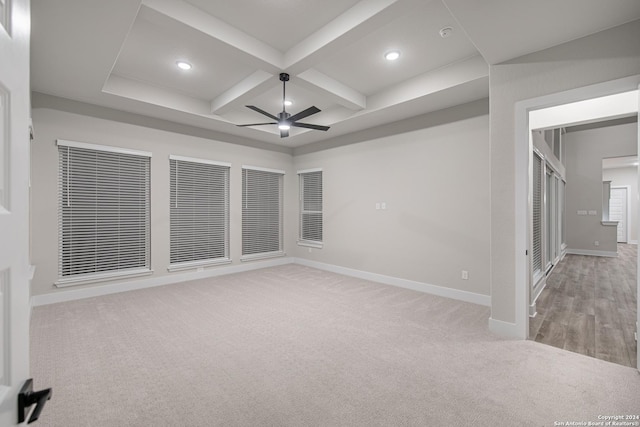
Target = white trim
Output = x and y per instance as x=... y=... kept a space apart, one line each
x=65 y=282
x=257 y=168
x=532 y=310
x=263 y=255
x=96 y=291
x=633 y=242
x=108 y=148
x=309 y=171
x=195 y=160
x=611 y=254
x=76 y=294
x=506 y=329
x=522 y=148
x=628 y=222
x=539 y=287
x=609 y=223
x=402 y=283
x=189 y=265
x=310 y=244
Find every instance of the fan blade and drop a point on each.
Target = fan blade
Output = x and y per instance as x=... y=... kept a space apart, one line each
x=310 y=126
x=261 y=111
x=284 y=133
x=258 y=124
x=306 y=113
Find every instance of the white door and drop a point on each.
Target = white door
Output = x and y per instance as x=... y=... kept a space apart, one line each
x=618 y=211
x=15 y=30
x=638 y=260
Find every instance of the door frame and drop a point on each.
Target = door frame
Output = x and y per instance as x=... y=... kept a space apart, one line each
x=627 y=189
x=15 y=271
x=522 y=163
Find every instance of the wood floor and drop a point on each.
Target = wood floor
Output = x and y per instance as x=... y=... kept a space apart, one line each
x=589 y=306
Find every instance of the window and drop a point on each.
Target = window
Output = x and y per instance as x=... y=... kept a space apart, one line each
x=536 y=206
x=261 y=213
x=310 y=222
x=104 y=206
x=563 y=220
x=199 y=213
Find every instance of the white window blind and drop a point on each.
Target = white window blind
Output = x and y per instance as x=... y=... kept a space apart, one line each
x=536 y=202
x=562 y=222
x=261 y=213
x=310 y=221
x=199 y=212
x=104 y=206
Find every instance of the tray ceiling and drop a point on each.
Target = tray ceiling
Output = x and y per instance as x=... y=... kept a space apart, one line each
x=122 y=54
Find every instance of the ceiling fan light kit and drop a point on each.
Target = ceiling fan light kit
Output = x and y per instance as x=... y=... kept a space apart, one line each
x=284 y=120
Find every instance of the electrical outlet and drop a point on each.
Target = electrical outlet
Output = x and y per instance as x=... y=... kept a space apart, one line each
x=200 y=269
x=309 y=250
x=377 y=206
x=596 y=243
x=465 y=275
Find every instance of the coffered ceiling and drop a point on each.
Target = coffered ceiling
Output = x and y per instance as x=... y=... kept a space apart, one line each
x=122 y=54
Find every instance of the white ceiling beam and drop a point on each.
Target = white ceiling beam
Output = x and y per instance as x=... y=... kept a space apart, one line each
x=359 y=20
x=255 y=84
x=344 y=95
x=263 y=55
x=429 y=83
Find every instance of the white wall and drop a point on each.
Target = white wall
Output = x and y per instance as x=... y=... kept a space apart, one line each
x=435 y=183
x=605 y=56
x=53 y=124
x=584 y=153
x=627 y=177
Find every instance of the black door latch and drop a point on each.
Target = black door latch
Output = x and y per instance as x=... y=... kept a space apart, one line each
x=28 y=397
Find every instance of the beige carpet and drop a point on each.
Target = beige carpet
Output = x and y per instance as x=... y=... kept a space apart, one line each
x=295 y=346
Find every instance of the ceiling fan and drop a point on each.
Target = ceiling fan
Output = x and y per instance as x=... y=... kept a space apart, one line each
x=285 y=120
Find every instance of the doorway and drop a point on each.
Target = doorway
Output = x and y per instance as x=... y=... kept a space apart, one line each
x=523 y=163
x=618 y=211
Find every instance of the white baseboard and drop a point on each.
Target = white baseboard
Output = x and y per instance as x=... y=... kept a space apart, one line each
x=610 y=254
x=505 y=329
x=402 y=283
x=95 y=291
x=75 y=294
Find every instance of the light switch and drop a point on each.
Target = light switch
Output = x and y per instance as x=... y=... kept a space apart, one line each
x=582 y=212
x=383 y=205
x=377 y=206
x=593 y=213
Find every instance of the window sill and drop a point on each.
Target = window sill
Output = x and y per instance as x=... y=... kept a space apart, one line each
x=610 y=223
x=102 y=277
x=309 y=244
x=197 y=264
x=265 y=255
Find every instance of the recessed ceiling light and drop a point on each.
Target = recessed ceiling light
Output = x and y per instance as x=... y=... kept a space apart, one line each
x=287 y=103
x=392 y=55
x=183 y=65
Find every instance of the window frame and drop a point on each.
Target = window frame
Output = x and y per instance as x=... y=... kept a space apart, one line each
x=200 y=263
x=302 y=241
x=99 y=276
x=269 y=254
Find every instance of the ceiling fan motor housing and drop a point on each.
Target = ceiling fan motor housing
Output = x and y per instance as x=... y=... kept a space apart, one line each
x=283 y=115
